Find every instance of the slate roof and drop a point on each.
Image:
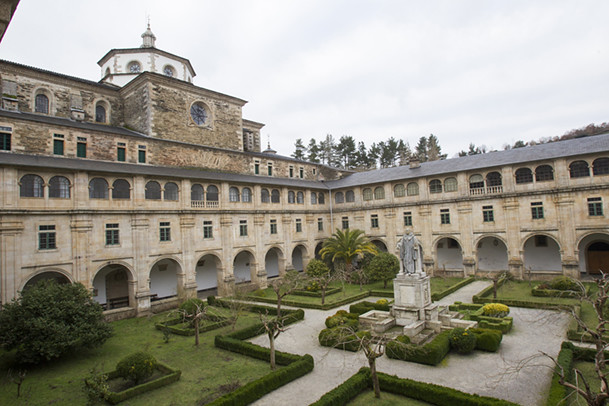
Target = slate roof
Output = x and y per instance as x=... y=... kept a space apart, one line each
x=536 y=153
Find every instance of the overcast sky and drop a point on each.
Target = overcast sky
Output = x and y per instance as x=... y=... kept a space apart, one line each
x=489 y=72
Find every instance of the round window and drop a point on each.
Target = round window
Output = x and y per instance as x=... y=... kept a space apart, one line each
x=168 y=71
x=134 y=67
x=198 y=112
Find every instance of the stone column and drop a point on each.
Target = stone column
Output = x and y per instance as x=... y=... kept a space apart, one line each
x=423 y=223
x=226 y=237
x=140 y=231
x=11 y=232
x=187 y=284
x=81 y=227
x=566 y=234
x=286 y=230
x=511 y=208
x=466 y=233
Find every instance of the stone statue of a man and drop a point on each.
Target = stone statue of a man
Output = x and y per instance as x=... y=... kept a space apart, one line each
x=411 y=254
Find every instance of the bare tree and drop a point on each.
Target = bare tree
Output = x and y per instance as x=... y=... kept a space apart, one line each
x=237 y=305
x=194 y=310
x=317 y=271
x=285 y=285
x=273 y=326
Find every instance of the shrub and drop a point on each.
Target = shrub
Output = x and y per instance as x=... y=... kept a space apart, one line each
x=342 y=338
x=431 y=353
x=312 y=286
x=191 y=306
x=136 y=367
x=363 y=307
x=564 y=283
x=403 y=339
x=382 y=302
x=463 y=341
x=342 y=318
x=383 y=267
x=487 y=339
x=495 y=310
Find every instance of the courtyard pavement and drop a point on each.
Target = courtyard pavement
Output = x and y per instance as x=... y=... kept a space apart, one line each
x=500 y=375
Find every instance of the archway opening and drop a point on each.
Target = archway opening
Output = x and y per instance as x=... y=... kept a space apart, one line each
x=318 y=248
x=449 y=255
x=242 y=268
x=297 y=258
x=542 y=254
x=206 y=275
x=46 y=276
x=492 y=255
x=594 y=254
x=380 y=245
x=111 y=287
x=164 y=279
x=272 y=263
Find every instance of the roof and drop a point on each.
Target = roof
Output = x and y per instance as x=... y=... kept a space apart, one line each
x=145 y=50
x=535 y=153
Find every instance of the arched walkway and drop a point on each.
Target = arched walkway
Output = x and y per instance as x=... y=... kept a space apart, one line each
x=274 y=263
x=45 y=276
x=164 y=279
x=449 y=255
x=380 y=245
x=542 y=253
x=206 y=273
x=111 y=287
x=594 y=254
x=242 y=268
x=318 y=248
x=491 y=255
x=298 y=255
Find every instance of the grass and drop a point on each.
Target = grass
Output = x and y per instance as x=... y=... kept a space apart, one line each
x=587 y=369
x=207 y=372
x=387 y=399
x=521 y=290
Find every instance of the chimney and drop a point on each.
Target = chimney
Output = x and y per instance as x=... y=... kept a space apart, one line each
x=414 y=162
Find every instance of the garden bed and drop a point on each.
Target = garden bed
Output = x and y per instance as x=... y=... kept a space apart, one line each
x=316 y=293
x=185 y=328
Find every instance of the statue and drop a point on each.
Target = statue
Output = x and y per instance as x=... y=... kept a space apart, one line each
x=411 y=254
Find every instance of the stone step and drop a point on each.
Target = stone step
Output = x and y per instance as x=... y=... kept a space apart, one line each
x=423 y=337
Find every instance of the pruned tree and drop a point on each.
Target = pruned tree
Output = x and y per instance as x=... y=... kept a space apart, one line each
x=288 y=283
x=237 y=305
x=193 y=310
x=273 y=326
x=317 y=271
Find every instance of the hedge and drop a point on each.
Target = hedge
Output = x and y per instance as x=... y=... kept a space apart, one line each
x=342 y=338
x=364 y=307
x=325 y=306
x=557 y=293
x=190 y=331
x=431 y=353
x=558 y=393
x=347 y=390
x=316 y=293
x=452 y=289
x=487 y=339
x=503 y=324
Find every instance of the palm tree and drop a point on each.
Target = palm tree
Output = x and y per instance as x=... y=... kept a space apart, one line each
x=347 y=246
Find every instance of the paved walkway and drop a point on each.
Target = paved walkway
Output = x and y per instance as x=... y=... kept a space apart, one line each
x=490 y=374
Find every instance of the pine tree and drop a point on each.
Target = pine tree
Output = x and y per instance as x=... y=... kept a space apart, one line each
x=404 y=152
x=421 y=149
x=327 y=150
x=434 y=151
x=299 y=150
x=313 y=151
x=345 y=152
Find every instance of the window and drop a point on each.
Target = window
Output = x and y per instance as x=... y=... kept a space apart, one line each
x=541 y=241
x=301 y=172
x=264 y=196
x=98 y=188
x=273 y=226
x=275 y=196
x=41 y=104
x=134 y=67
x=212 y=193
x=412 y=189
x=46 y=237
x=493 y=179
x=524 y=175
x=59 y=187
x=121 y=189
x=600 y=166
x=379 y=193
x=171 y=191
x=100 y=114
x=300 y=198
x=256 y=168
x=120 y=152
x=537 y=210
x=579 y=169
x=165 y=231
x=450 y=185
x=349 y=196
x=444 y=216
x=196 y=192
x=313 y=198
x=233 y=194
x=5 y=142
x=208 y=229
x=339 y=197
x=595 y=206
x=487 y=214
x=169 y=71
x=399 y=191
x=141 y=154
x=246 y=195
x=299 y=225
x=374 y=221
x=476 y=181
x=31 y=186
x=321 y=198
x=407 y=219
x=367 y=194
x=320 y=224
x=198 y=113
x=544 y=173
x=291 y=171
x=153 y=191
x=435 y=186
x=81 y=147
x=345 y=223
x=112 y=235
x=291 y=197
x=269 y=169
x=58 y=144
x=243 y=228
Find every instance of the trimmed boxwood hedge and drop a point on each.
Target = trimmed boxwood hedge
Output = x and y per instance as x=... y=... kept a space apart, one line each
x=325 y=306
x=364 y=307
x=558 y=392
x=487 y=339
x=431 y=353
x=316 y=293
x=212 y=323
x=347 y=390
x=341 y=338
x=452 y=289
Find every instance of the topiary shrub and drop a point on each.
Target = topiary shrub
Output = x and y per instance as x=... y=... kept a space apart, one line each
x=403 y=339
x=487 y=339
x=495 y=310
x=343 y=318
x=564 y=283
x=342 y=338
x=382 y=302
x=136 y=367
x=463 y=341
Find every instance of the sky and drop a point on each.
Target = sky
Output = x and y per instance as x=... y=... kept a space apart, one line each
x=488 y=72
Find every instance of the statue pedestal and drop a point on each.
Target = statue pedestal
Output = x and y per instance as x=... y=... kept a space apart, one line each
x=413 y=300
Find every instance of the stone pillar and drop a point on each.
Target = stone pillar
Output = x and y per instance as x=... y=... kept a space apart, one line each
x=11 y=232
x=424 y=224
x=286 y=230
x=516 y=268
x=140 y=231
x=469 y=266
x=511 y=208
x=81 y=227
x=466 y=233
x=226 y=236
x=566 y=235
x=187 y=284
x=390 y=229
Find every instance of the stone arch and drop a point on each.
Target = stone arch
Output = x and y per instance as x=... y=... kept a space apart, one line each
x=208 y=273
x=380 y=245
x=57 y=274
x=299 y=257
x=164 y=278
x=491 y=254
x=449 y=254
x=112 y=286
x=593 y=249
x=242 y=266
x=318 y=248
x=39 y=105
x=541 y=252
x=274 y=262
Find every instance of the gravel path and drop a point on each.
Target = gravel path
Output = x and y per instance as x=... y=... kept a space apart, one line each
x=490 y=374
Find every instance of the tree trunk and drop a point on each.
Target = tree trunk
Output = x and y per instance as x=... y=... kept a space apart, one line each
x=197 y=332
x=375 y=378
x=272 y=348
x=278 y=307
x=495 y=282
x=323 y=295
x=385 y=284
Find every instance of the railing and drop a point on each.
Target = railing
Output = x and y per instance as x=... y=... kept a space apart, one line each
x=489 y=190
x=202 y=204
x=212 y=204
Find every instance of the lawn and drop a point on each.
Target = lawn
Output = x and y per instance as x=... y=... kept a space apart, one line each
x=587 y=369
x=207 y=372
x=521 y=290
x=387 y=399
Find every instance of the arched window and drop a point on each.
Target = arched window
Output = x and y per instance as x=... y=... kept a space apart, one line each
x=412 y=189
x=121 y=189
x=435 y=186
x=450 y=185
x=339 y=197
x=264 y=196
x=544 y=173
x=600 y=166
x=41 y=104
x=100 y=113
x=476 y=181
x=171 y=191
x=98 y=188
x=493 y=179
x=349 y=196
x=153 y=191
x=59 y=187
x=246 y=195
x=579 y=169
x=300 y=198
x=313 y=198
x=399 y=191
x=321 y=198
x=291 y=197
x=367 y=194
x=275 y=196
x=379 y=193
x=31 y=186
x=233 y=194
x=196 y=192
x=212 y=193
x=524 y=175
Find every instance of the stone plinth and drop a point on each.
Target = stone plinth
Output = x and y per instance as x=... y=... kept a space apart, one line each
x=411 y=291
x=377 y=320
